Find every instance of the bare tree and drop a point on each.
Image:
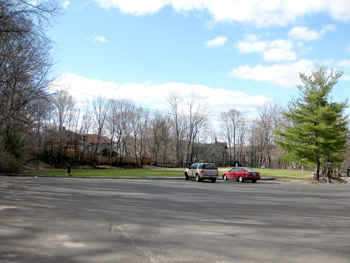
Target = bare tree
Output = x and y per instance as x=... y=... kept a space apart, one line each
x=177 y=123
x=24 y=66
x=143 y=134
x=100 y=115
x=160 y=137
x=85 y=123
x=140 y=124
x=63 y=114
x=135 y=121
x=253 y=142
x=63 y=110
x=24 y=54
x=270 y=116
x=189 y=118
x=40 y=115
x=231 y=122
x=111 y=128
x=241 y=141
x=195 y=115
x=121 y=112
x=23 y=16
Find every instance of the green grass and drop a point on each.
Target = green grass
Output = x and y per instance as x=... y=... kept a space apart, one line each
x=288 y=174
x=137 y=173
x=160 y=172
x=279 y=173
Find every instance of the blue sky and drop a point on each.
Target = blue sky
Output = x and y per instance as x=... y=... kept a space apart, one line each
x=232 y=54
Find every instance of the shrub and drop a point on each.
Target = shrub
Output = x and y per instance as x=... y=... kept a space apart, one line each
x=9 y=164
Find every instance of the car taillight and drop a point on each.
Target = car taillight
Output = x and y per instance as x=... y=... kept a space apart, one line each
x=202 y=171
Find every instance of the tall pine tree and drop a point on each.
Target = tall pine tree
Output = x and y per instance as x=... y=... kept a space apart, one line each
x=317 y=128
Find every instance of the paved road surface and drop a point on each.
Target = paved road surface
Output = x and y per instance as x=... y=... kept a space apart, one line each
x=67 y=220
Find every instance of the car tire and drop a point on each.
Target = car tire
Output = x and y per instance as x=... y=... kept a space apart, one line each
x=225 y=177
x=240 y=179
x=253 y=181
x=213 y=180
x=186 y=176
x=198 y=179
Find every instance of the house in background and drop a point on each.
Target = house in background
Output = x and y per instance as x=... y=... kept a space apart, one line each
x=216 y=152
x=102 y=145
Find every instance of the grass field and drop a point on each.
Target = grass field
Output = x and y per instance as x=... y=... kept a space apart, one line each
x=133 y=173
x=278 y=173
x=288 y=174
x=160 y=172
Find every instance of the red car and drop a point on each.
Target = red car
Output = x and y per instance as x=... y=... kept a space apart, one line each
x=241 y=174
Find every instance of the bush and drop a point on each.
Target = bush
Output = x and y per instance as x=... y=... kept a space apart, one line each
x=9 y=164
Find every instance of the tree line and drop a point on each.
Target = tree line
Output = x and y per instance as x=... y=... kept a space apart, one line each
x=169 y=137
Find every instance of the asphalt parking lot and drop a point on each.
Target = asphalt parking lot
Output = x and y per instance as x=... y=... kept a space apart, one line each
x=120 y=220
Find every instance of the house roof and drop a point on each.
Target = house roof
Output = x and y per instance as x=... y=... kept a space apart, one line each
x=93 y=138
x=221 y=144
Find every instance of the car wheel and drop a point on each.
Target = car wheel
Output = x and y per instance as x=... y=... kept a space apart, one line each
x=253 y=181
x=213 y=180
x=240 y=179
x=186 y=176
x=198 y=179
x=225 y=177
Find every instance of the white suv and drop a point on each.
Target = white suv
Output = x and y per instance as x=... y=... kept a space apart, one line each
x=201 y=171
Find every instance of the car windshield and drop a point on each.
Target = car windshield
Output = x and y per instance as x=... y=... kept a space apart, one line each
x=210 y=166
x=248 y=170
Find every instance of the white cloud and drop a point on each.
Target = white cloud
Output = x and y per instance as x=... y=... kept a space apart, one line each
x=251 y=44
x=216 y=42
x=328 y=28
x=97 y=39
x=344 y=63
x=82 y=88
x=327 y=62
x=304 y=33
x=339 y=9
x=33 y=2
x=156 y=95
x=280 y=74
x=260 y=13
x=135 y=7
x=279 y=54
x=65 y=4
x=277 y=50
x=345 y=77
x=280 y=50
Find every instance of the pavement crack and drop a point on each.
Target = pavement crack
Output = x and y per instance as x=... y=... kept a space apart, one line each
x=122 y=229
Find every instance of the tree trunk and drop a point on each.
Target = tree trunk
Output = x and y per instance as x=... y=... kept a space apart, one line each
x=317 y=174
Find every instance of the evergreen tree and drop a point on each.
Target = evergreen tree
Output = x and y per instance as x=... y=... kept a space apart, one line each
x=317 y=128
